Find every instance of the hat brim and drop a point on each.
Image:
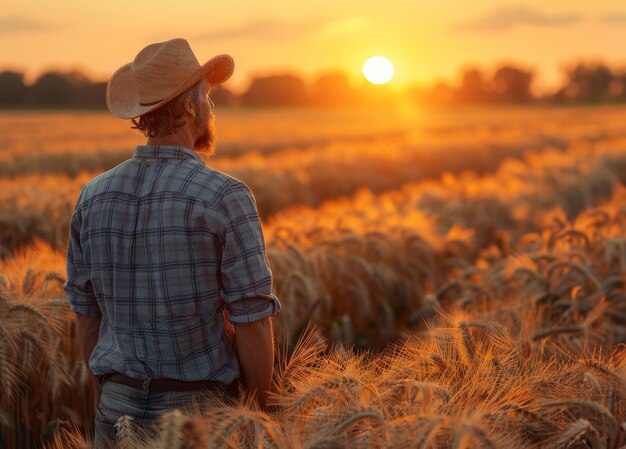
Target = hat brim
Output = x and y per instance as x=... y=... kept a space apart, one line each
x=123 y=101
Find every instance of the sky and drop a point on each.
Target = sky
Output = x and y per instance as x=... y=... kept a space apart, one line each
x=425 y=40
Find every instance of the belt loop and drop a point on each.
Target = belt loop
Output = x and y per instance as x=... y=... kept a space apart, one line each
x=145 y=387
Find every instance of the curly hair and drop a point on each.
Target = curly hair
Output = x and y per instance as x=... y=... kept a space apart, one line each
x=167 y=118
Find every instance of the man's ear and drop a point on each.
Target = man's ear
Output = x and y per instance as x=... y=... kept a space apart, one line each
x=190 y=108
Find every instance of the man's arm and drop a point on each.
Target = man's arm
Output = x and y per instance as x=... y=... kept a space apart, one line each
x=87 y=330
x=246 y=289
x=255 y=349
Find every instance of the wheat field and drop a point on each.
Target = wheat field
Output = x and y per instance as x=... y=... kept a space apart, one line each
x=449 y=279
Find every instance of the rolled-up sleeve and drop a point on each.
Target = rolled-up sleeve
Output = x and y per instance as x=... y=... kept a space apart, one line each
x=78 y=287
x=246 y=276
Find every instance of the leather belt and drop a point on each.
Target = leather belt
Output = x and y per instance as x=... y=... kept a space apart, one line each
x=164 y=385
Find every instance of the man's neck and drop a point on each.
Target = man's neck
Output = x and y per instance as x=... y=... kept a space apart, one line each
x=182 y=138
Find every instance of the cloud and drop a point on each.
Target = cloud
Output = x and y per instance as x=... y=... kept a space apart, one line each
x=267 y=28
x=614 y=18
x=344 y=26
x=16 y=24
x=506 y=18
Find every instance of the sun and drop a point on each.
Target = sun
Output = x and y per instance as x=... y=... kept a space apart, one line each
x=378 y=70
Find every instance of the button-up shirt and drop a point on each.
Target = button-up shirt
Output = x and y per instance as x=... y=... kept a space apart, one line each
x=165 y=249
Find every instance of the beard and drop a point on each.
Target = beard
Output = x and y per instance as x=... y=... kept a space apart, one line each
x=205 y=142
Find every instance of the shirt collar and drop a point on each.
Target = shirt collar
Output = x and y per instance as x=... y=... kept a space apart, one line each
x=166 y=152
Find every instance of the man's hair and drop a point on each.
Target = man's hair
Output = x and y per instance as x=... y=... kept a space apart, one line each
x=167 y=118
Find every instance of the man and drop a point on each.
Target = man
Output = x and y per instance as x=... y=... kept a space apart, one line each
x=165 y=253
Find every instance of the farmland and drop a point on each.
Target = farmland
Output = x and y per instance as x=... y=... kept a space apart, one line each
x=449 y=278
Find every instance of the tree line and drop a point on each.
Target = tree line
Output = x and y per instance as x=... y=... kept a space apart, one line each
x=585 y=83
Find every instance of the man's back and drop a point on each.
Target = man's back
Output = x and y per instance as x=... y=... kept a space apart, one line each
x=162 y=247
x=163 y=243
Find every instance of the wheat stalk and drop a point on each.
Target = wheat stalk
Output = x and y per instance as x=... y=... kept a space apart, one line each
x=579 y=433
x=589 y=406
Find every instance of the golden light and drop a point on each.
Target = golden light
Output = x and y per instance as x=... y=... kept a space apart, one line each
x=378 y=70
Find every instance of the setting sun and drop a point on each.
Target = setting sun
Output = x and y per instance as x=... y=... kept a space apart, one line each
x=378 y=70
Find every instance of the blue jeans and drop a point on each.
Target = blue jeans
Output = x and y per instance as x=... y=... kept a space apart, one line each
x=143 y=406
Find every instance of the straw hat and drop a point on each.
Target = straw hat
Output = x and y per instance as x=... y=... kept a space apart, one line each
x=159 y=73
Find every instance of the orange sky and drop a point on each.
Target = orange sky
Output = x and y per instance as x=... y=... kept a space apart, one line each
x=424 y=40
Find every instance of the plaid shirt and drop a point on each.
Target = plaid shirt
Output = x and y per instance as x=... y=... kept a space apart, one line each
x=163 y=248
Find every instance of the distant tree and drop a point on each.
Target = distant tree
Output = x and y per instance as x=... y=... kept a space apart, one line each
x=440 y=93
x=508 y=85
x=67 y=89
x=512 y=85
x=55 y=88
x=13 y=91
x=222 y=96
x=332 y=89
x=589 y=82
x=276 y=90
x=471 y=89
x=617 y=90
x=91 y=94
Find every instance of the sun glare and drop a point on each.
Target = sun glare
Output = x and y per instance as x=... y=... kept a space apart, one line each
x=378 y=70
